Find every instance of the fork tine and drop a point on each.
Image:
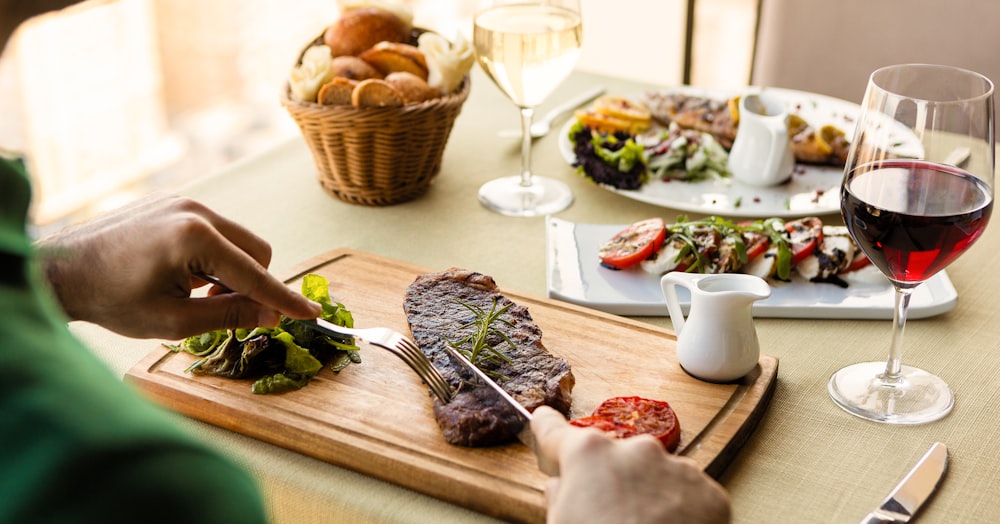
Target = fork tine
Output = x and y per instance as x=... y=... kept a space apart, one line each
x=408 y=359
x=432 y=377
x=406 y=350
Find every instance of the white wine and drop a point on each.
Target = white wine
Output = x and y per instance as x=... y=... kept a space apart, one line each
x=527 y=49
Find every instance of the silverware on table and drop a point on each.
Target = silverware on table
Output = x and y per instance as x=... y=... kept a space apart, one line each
x=542 y=126
x=397 y=344
x=385 y=338
x=911 y=492
x=525 y=436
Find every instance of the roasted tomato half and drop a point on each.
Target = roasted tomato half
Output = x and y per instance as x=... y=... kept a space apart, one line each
x=804 y=235
x=634 y=243
x=629 y=416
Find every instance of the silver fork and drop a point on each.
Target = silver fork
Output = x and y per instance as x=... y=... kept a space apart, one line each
x=398 y=345
x=385 y=338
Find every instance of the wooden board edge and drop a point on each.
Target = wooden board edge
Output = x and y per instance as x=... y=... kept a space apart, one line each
x=738 y=420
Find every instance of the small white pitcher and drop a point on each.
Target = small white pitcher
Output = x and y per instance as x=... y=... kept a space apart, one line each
x=762 y=152
x=718 y=341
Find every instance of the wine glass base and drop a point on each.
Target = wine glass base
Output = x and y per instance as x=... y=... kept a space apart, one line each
x=543 y=197
x=917 y=397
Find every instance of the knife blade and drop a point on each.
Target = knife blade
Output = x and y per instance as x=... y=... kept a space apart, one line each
x=915 y=488
x=526 y=437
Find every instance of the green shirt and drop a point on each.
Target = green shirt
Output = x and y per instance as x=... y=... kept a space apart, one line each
x=76 y=443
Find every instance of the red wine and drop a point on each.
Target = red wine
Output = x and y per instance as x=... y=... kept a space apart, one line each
x=912 y=218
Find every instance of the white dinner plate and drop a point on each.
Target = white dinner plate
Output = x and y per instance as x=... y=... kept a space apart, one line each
x=574 y=274
x=812 y=190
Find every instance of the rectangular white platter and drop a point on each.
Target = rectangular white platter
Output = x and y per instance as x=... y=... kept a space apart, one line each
x=574 y=274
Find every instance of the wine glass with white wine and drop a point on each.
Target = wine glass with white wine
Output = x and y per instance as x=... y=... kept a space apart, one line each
x=528 y=48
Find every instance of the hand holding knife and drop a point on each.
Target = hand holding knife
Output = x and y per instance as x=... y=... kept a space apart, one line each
x=525 y=436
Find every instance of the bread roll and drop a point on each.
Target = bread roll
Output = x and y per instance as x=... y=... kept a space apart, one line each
x=411 y=87
x=393 y=57
x=360 y=29
x=337 y=92
x=397 y=7
x=354 y=68
x=376 y=93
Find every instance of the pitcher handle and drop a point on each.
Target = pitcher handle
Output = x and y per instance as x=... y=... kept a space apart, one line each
x=668 y=284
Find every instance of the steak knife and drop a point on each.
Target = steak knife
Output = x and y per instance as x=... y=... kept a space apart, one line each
x=525 y=436
x=915 y=488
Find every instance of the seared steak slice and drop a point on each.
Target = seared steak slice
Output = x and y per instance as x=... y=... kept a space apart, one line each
x=437 y=308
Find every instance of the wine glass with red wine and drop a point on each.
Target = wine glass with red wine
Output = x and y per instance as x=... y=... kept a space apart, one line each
x=917 y=193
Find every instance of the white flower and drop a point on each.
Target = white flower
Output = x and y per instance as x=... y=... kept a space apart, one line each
x=447 y=64
x=308 y=77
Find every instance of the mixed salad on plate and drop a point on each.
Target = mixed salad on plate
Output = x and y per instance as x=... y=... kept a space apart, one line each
x=771 y=248
x=624 y=143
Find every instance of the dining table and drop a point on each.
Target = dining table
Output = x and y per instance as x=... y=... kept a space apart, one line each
x=807 y=460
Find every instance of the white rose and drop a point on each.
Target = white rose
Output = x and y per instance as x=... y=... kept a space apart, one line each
x=308 y=77
x=447 y=64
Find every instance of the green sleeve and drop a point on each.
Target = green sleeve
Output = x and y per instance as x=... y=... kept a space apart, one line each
x=76 y=443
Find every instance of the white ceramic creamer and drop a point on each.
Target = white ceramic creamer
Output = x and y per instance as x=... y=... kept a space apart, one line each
x=717 y=341
x=762 y=152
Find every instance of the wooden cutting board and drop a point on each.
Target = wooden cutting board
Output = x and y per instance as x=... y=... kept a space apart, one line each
x=376 y=417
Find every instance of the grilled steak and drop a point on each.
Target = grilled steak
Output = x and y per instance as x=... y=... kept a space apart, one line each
x=440 y=309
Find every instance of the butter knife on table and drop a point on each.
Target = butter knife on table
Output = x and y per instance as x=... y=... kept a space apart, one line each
x=525 y=436
x=915 y=488
x=542 y=126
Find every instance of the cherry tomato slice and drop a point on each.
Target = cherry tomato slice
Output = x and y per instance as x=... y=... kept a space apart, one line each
x=629 y=416
x=860 y=260
x=756 y=244
x=634 y=243
x=804 y=235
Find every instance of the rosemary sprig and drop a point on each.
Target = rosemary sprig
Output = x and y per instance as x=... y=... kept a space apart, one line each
x=480 y=351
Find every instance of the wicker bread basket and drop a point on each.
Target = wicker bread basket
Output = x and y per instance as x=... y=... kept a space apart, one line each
x=377 y=156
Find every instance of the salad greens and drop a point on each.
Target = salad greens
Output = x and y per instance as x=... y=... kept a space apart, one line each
x=626 y=161
x=689 y=155
x=613 y=159
x=690 y=231
x=278 y=359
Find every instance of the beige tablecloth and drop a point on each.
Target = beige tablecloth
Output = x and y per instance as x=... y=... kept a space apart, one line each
x=808 y=461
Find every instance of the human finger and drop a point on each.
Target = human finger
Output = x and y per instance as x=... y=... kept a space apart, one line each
x=550 y=429
x=242 y=274
x=240 y=236
x=186 y=317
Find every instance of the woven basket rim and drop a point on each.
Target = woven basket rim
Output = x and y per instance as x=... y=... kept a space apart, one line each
x=457 y=96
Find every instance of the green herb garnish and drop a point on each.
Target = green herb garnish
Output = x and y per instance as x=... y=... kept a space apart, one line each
x=688 y=231
x=480 y=351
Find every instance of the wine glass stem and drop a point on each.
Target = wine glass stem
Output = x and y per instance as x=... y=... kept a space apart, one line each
x=527 y=113
x=895 y=362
